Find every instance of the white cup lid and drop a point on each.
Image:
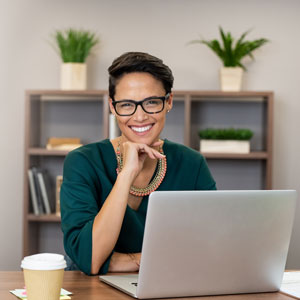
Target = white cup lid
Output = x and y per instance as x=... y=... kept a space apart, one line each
x=44 y=261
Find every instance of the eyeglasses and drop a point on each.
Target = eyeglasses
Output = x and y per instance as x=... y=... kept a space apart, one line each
x=150 y=105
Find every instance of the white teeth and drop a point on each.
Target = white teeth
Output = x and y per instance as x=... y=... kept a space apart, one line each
x=141 y=129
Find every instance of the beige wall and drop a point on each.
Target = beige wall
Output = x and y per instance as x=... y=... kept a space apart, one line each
x=161 y=27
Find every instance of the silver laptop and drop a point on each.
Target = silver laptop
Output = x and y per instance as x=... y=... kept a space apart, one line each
x=212 y=242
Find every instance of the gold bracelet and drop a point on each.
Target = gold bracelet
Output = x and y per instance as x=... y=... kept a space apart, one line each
x=131 y=255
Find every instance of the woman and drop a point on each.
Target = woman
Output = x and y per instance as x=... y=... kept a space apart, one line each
x=104 y=194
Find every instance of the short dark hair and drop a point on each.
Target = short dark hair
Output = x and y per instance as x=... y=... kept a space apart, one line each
x=130 y=62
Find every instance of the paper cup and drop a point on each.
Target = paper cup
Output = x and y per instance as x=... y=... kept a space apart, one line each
x=43 y=275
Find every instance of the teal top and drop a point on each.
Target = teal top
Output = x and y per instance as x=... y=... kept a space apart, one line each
x=88 y=177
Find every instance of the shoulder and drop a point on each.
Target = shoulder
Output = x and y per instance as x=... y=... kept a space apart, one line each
x=90 y=160
x=187 y=168
x=90 y=152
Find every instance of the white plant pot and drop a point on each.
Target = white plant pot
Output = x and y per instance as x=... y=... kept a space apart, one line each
x=231 y=79
x=224 y=146
x=73 y=76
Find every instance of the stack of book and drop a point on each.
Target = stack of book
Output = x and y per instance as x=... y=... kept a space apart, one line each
x=39 y=188
x=68 y=144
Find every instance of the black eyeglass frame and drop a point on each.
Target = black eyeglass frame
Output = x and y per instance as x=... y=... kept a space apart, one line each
x=136 y=103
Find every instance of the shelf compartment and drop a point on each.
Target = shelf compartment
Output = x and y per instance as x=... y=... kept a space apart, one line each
x=215 y=114
x=234 y=174
x=245 y=96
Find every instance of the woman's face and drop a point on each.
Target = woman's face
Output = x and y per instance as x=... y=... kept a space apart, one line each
x=141 y=127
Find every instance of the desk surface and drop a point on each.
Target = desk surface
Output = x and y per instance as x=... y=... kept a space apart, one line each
x=90 y=288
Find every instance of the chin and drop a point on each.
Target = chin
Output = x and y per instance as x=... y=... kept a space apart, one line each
x=148 y=140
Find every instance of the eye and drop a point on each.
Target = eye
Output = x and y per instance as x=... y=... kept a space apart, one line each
x=125 y=105
x=153 y=102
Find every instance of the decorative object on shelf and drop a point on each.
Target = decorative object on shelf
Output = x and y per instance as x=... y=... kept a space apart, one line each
x=231 y=55
x=228 y=140
x=114 y=130
x=68 y=144
x=74 y=48
x=59 y=180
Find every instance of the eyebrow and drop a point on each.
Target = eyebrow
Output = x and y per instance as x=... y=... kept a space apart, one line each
x=150 y=97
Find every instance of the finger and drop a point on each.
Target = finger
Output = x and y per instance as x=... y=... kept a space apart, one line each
x=146 y=149
x=157 y=143
x=159 y=155
x=142 y=156
x=152 y=153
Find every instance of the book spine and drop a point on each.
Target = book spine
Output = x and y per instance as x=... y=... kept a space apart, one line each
x=59 y=180
x=38 y=191
x=44 y=193
x=33 y=192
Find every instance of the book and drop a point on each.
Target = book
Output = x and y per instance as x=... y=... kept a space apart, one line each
x=44 y=192
x=68 y=144
x=59 y=180
x=33 y=193
x=38 y=191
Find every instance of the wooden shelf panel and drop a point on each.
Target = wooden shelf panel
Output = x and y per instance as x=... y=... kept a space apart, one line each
x=221 y=94
x=46 y=152
x=251 y=155
x=66 y=92
x=44 y=218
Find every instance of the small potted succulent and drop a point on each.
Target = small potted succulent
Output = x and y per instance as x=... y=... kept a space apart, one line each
x=228 y=140
x=231 y=55
x=74 y=46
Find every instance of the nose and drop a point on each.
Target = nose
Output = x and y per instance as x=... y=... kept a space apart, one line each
x=140 y=114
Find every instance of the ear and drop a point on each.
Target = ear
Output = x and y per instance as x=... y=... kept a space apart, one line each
x=111 y=107
x=169 y=102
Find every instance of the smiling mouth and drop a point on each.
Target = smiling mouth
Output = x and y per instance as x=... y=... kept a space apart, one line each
x=141 y=129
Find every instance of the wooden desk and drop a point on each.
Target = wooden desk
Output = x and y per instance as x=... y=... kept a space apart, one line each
x=90 y=288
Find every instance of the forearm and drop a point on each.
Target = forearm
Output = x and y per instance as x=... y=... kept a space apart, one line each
x=108 y=222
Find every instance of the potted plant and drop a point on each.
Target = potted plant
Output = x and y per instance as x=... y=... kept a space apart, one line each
x=231 y=55
x=228 y=140
x=74 y=47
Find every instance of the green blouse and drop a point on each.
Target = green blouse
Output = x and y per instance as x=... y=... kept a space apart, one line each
x=88 y=177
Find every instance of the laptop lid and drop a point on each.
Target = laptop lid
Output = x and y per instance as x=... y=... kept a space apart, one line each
x=215 y=242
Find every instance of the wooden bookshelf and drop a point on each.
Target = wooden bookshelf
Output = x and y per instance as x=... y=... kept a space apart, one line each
x=85 y=114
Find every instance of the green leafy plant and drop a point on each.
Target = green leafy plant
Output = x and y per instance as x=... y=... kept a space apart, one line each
x=225 y=134
x=229 y=52
x=75 y=45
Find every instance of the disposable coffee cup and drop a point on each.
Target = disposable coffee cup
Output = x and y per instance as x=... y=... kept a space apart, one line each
x=43 y=275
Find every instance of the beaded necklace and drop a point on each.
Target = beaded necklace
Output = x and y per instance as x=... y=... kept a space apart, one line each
x=154 y=184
